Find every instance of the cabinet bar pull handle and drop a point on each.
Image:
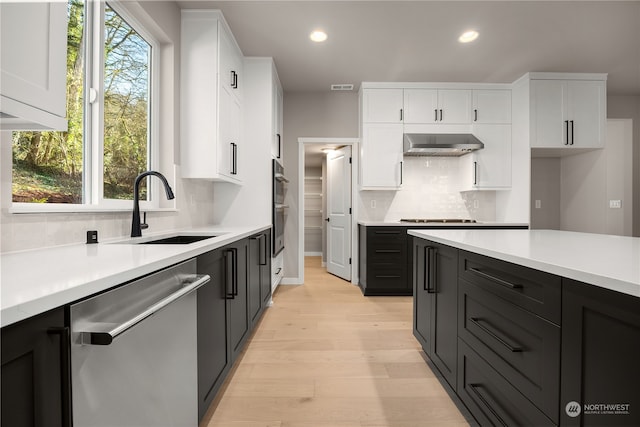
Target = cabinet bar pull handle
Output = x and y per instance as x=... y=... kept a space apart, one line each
x=440 y=115
x=473 y=388
x=475 y=115
x=263 y=259
x=401 y=115
x=475 y=173
x=436 y=112
x=476 y=321
x=387 y=251
x=387 y=276
x=425 y=272
x=497 y=279
x=566 y=124
x=433 y=270
x=572 y=134
x=65 y=369
x=387 y=232
x=229 y=270
x=279 y=145
x=401 y=172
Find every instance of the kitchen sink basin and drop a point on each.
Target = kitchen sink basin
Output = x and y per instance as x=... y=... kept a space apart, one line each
x=177 y=240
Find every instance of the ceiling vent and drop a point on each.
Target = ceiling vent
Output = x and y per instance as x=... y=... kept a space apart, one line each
x=342 y=87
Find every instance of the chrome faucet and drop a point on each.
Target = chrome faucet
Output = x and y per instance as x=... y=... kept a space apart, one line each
x=136 y=230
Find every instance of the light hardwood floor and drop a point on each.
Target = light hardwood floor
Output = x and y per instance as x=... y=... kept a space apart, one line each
x=326 y=356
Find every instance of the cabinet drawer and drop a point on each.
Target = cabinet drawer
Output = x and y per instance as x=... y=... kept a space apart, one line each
x=533 y=290
x=384 y=235
x=492 y=400
x=387 y=277
x=522 y=347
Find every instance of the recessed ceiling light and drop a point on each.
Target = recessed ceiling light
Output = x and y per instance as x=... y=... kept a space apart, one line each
x=318 y=36
x=468 y=36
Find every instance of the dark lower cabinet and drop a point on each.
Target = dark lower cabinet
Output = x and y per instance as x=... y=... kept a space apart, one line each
x=214 y=357
x=600 y=357
x=492 y=399
x=435 y=289
x=36 y=384
x=259 y=275
x=237 y=286
x=384 y=261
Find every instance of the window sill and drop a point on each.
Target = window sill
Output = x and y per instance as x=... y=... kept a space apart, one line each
x=49 y=209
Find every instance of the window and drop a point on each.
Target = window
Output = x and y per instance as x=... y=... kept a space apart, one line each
x=110 y=137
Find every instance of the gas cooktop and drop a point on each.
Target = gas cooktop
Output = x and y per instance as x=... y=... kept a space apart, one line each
x=439 y=220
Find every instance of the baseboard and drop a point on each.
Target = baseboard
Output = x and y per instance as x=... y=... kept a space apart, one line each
x=291 y=281
x=313 y=254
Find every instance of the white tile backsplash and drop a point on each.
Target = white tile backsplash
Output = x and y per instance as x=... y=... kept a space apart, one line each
x=430 y=189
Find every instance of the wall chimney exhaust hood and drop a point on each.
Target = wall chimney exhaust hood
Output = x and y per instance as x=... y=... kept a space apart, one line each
x=440 y=144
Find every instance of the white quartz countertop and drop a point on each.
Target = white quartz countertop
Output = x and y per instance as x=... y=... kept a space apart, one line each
x=610 y=262
x=439 y=224
x=32 y=282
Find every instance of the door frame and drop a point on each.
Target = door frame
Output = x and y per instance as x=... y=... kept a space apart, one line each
x=354 y=143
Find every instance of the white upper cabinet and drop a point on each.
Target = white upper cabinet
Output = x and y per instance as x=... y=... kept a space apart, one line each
x=490 y=167
x=381 y=156
x=568 y=113
x=33 y=65
x=437 y=106
x=230 y=65
x=211 y=138
x=382 y=105
x=491 y=106
x=276 y=145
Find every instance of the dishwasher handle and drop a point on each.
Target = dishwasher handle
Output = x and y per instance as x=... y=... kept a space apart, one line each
x=107 y=337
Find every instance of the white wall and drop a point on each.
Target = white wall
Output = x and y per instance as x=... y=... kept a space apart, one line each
x=575 y=190
x=310 y=114
x=628 y=107
x=194 y=200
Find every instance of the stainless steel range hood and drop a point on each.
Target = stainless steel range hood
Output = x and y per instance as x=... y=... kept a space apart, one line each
x=440 y=144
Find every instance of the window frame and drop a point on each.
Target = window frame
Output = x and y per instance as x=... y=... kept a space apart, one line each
x=93 y=126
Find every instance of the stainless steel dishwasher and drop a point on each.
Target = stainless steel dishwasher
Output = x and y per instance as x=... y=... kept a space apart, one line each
x=133 y=353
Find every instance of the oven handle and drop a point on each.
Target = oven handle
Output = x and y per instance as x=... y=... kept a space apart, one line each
x=280 y=177
x=279 y=207
x=106 y=338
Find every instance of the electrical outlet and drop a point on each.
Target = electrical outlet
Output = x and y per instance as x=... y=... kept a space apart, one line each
x=615 y=204
x=373 y=204
x=538 y=204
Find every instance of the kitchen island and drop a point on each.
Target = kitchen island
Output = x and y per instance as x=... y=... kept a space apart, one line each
x=532 y=327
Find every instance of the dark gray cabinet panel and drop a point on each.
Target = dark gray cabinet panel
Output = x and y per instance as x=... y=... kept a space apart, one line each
x=384 y=261
x=492 y=400
x=259 y=274
x=435 y=304
x=523 y=347
x=533 y=290
x=35 y=372
x=600 y=355
x=214 y=357
x=237 y=288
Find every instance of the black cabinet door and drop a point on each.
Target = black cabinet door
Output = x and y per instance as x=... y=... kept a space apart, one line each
x=254 y=297
x=435 y=290
x=421 y=296
x=265 y=268
x=237 y=289
x=35 y=372
x=213 y=353
x=600 y=354
x=444 y=323
x=384 y=261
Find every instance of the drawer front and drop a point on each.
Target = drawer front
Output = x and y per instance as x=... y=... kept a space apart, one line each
x=391 y=277
x=523 y=347
x=533 y=290
x=492 y=400
x=387 y=245
x=385 y=235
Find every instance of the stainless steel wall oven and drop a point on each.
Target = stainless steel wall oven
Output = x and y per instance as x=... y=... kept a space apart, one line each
x=279 y=188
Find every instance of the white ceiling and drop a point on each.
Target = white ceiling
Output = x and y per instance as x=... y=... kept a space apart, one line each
x=417 y=40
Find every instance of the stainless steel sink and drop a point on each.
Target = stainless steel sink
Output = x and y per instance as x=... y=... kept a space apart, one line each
x=178 y=240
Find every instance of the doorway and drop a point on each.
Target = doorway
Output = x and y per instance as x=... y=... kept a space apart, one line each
x=316 y=200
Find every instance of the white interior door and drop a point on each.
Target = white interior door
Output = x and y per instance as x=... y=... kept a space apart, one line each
x=339 y=213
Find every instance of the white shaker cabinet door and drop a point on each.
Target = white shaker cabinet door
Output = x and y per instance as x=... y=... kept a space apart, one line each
x=492 y=106
x=586 y=113
x=33 y=65
x=381 y=156
x=548 y=113
x=229 y=146
x=382 y=105
x=421 y=106
x=454 y=106
x=491 y=166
